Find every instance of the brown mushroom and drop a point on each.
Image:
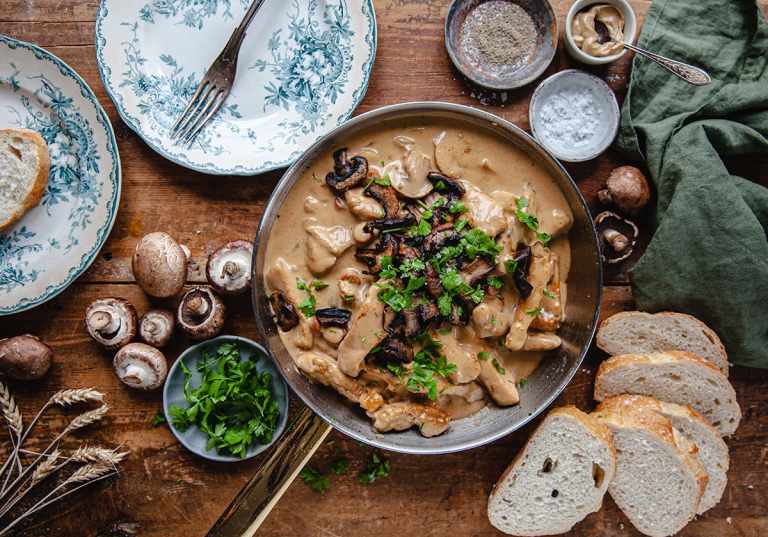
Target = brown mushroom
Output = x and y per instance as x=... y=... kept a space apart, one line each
x=347 y=172
x=140 y=366
x=159 y=265
x=284 y=311
x=156 y=327
x=201 y=313
x=25 y=357
x=618 y=236
x=627 y=189
x=229 y=268
x=111 y=322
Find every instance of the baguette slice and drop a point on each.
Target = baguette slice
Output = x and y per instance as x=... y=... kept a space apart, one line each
x=674 y=376
x=637 y=332
x=24 y=166
x=558 y=479
x=659 y=479
x=713 y=452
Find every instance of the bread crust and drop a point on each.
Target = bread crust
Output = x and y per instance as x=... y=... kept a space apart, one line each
x=41 y=180
x=653 y=358
x=640 y=411
x=628 y=315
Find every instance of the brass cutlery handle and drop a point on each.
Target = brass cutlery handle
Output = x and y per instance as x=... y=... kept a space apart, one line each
x=251 y=506
x=691 y=74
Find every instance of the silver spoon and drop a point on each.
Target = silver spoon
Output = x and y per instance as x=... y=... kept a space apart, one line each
x=689 y=73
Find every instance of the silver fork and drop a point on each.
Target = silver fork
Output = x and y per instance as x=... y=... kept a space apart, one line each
x=215 y=85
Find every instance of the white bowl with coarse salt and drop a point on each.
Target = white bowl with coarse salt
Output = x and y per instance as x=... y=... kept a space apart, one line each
x=574 y=115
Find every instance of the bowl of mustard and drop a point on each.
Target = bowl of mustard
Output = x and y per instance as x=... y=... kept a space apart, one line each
x=596 y=30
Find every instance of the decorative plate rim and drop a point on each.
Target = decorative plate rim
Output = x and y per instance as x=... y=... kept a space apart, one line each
x=115 y=176
x=210 y=168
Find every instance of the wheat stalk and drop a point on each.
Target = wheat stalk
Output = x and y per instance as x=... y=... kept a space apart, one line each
x=76 y=395
x=98 y=455
x=45 y=468
x=85 y=419
x=11 y=412
x=86 y=473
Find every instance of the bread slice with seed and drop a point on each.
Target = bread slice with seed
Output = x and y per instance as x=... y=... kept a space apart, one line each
x=558 y=479
x=637 y=332
x=24 y=166
x=713 y=452
x=659 y=479
x=676 y=377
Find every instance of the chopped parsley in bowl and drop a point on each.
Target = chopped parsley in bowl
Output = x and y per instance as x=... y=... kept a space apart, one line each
x=224 y=399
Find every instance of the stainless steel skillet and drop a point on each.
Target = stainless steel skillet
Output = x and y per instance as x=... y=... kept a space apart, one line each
x=544 y=385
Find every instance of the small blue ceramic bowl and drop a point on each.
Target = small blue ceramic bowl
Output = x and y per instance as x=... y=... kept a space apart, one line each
x=173 y=394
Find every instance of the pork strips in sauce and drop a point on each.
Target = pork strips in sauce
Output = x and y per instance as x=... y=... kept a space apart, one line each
x=421 y=273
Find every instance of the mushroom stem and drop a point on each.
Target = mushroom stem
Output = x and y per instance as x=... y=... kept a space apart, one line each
x=230 y=269
x=198 y=306
x=618 y=241
x=100 y=320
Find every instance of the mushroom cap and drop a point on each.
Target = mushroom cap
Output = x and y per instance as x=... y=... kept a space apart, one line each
x=156 y=327
x=159 y=265
x=611 y=228
x=25 y=357
x=628 y=188
x=229 y=267
x=141 y=366
x=111 y=322
x=201 y=313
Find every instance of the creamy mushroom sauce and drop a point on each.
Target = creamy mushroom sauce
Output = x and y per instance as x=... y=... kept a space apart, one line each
x=316 y=235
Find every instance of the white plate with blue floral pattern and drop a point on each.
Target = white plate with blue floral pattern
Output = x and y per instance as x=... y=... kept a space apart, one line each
x=303 y=68
x=57 y=240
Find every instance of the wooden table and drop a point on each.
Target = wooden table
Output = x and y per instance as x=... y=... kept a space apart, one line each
x=166 y=492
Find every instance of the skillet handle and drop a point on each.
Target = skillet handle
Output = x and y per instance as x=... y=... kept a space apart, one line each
x=251 y=506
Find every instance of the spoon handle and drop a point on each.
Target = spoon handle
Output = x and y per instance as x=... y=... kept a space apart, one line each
x=689 y=73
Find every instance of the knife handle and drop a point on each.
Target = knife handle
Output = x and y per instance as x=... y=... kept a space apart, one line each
x=252 y=505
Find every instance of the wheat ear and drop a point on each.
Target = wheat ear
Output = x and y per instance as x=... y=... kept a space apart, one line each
x=75 y=396
x=96 y=454
x=11 y=412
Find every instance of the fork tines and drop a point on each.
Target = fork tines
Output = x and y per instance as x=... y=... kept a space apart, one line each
x=206 y=101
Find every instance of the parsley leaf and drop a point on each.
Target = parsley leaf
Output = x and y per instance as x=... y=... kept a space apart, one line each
x=340 y=466
x=383 y=181
x=533 y=312
x=315 y=480
x=158 y=419
x=544 y=238
x=422 y=379
x=444 y=303
x=233 y=403
x=307 y=306
x=510 y=265
x=394 y=298
x=457 y=207
x=483 y=355
x=549 y=294
x=387 y=269
x=376 y=468
x=440 y=185
x=498 y=367
x=318 y=285
x=495 y=282
x=522 y=382
x=477 y=242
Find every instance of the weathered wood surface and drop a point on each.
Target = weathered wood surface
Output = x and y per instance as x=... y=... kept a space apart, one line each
x=166 y=492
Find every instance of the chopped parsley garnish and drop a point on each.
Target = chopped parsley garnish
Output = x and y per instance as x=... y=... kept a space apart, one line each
x=533 y=312
x=440 y=185
x=233 y=403
x=383 y=181
x=458 y=225
x=340 y=466
x=348 y=298
x=307 y=306
x=483 y=355
x=427 y=363
x=422 y=380
x=387 y=269
x=530 y=220
x=477 y=242
x=315 y=480
x=376 y=468
x=495 y=282
x=318 y=285
x=522 y=382
x=457 y=207
x=549 y=294
x=498 y=367
x=396 y=369
x=422 y=229
x=544 y=238
x=510 y=265
x=158 y=419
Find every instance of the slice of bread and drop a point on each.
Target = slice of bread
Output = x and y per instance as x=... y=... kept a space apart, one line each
x=713 y=452
x=558 y=479
x=24 y=166
x=637 y=332
x=674 y=376
x=659 y=480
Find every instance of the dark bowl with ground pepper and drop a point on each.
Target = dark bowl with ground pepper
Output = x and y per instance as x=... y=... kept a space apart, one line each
x=501 y=44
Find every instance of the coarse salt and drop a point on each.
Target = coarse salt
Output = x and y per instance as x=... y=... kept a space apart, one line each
x=569 y=118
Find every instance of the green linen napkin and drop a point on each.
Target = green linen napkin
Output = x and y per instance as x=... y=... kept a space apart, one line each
x=709 y=254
